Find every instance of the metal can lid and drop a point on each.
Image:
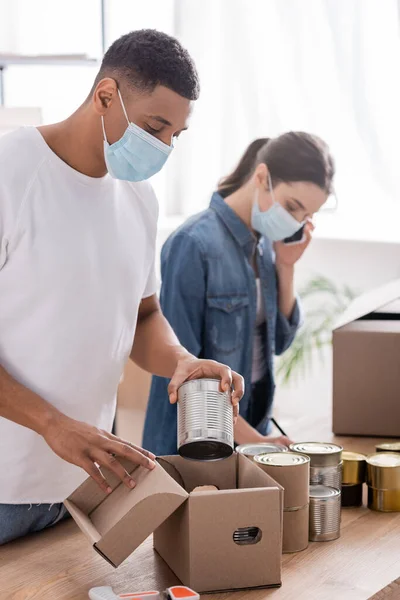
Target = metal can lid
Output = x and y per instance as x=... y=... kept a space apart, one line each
x=388 y=447
x=384 y=459
x=323 y=492
x=283 y=459
x=256 y=449
x=316 y=448
x=356 y=456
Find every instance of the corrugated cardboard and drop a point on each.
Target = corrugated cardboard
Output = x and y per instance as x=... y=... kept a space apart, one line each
x=194 y=531
x=197 y=540
x=118 y=523
x=366 y=365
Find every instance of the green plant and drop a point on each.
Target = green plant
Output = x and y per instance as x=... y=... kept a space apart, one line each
x=323 y=302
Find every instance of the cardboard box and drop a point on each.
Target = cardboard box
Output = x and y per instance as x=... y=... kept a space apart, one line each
x=366 y=365
x=194 y=532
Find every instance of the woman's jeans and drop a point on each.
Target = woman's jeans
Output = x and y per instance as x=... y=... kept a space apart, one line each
x=17 y=520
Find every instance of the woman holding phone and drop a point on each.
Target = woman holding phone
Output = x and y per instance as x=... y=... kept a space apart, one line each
x=227 y=276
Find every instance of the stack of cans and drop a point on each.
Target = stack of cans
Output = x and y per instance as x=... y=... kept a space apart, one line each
x=292 y=471
x=354 y=473
x=383 y=479
x=325 y=488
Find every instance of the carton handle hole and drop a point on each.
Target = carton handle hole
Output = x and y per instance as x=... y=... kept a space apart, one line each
x=244 y=536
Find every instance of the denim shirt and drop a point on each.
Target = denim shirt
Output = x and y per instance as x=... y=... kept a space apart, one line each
x=209 y=297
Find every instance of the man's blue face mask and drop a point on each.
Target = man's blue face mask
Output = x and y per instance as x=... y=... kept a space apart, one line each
x=137 y=155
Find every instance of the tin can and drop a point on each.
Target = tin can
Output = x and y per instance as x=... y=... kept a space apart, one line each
x=321 y=454
x=324 y=513
x=388 y=447
x=352 y=495
x=328 y=476
x=252 y=450
x=205 y=420
x=292 y=471
x=383 y=479
x=354 y=467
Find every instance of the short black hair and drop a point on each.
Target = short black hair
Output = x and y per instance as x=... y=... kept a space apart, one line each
x=146 y=58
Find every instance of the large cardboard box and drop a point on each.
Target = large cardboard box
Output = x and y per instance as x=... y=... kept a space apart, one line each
x=366 y=365
x=194 y=531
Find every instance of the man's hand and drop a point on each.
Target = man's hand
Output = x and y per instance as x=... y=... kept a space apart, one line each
x=91 y=448
x=189 y=367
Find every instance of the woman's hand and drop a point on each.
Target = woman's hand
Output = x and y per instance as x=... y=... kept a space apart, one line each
x=282 y=440
x=189 y=367
x=286 y=255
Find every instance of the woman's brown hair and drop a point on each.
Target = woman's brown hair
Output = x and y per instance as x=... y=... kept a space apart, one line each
x=293 y=156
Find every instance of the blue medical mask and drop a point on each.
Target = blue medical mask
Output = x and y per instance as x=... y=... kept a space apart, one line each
x=136 y=156
x=275 y=223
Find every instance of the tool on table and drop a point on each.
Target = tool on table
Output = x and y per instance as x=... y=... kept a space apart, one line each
x=274 y=422
x=177 y=592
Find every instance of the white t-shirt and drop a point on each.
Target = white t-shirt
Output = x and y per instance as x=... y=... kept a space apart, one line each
x=76 y=258
x=259 y=366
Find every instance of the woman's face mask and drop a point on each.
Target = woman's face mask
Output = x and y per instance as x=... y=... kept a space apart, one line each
x=275 y=223
x=137 y=155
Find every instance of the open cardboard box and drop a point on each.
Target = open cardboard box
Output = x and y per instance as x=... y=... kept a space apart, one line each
x=194 y=531
x=366 y=365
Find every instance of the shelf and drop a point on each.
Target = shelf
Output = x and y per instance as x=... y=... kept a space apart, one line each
x=8 y=60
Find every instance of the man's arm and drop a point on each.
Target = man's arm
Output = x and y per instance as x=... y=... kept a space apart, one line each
x=76 y=442
x=156 y=349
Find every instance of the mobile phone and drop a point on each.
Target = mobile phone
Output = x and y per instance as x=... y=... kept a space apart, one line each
x=296 y=238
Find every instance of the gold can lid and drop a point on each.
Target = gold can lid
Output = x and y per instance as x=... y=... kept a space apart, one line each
x=283 y=459
x=384 y=459
x=263 y=448
x=323 y=492
x=356 y=456
x=388 y=447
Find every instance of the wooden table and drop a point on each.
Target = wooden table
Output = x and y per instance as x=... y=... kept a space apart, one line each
x=60 y=565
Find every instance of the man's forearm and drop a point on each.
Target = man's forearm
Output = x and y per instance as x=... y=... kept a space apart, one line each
x=156 y=348
x=22 y=406
x=286 y=296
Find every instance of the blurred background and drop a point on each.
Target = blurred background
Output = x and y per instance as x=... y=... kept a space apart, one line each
x=329 y=67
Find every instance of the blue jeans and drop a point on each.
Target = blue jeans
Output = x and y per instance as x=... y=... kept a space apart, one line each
x=17 y=520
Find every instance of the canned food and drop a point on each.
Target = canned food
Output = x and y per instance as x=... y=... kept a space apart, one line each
x=252 y=450
x=205 y=420
x=321 y=454
x=354 y=467
x=324 y=513
x=352 y=495
x=292 y=471
x=388 y=447
x=328 y=476
x=383 y=478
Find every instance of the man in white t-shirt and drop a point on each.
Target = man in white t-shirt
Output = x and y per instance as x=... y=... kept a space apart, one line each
x=77 y=283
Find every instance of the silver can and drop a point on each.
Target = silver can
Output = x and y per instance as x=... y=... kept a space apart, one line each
x=205 y=420
x=322 y=454
x=329 y=476
x=253 y=450
x=325 y=505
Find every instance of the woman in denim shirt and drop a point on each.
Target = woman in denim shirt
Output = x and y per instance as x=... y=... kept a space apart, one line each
x=227 y=277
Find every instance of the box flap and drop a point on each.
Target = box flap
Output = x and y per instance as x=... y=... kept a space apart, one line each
x=119 y=522
x=192 y=473
x=370 y=302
